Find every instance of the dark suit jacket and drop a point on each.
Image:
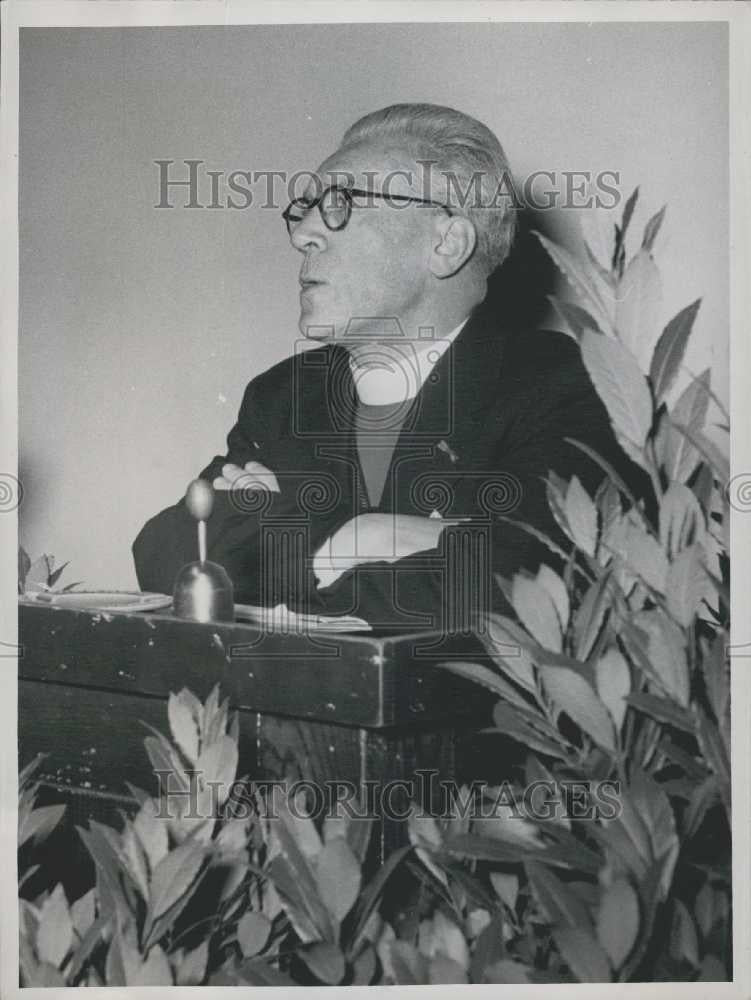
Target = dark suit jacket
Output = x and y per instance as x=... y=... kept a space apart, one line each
x=478 y=441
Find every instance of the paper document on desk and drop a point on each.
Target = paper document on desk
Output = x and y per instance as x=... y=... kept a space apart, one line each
x=281 y=619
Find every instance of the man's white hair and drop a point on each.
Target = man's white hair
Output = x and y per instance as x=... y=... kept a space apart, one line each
x=466 y=159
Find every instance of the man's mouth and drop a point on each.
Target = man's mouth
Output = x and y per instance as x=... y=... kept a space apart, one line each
x=306 y=283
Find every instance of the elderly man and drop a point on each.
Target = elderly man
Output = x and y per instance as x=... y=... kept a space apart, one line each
x=375 y=473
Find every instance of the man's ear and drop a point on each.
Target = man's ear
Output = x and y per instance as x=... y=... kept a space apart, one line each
x=455 y=239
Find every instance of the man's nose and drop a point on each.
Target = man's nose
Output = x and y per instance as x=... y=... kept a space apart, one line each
x=309 y=233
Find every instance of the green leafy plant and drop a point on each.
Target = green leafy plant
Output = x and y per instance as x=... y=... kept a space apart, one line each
x=615 y=665
x=39 y=574
x=135 y=926
x=188 y=892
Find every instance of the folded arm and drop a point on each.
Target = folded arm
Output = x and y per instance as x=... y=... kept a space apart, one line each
x=426 y=586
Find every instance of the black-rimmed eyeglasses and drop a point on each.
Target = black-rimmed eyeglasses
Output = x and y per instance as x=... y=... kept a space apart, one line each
x=335 y=205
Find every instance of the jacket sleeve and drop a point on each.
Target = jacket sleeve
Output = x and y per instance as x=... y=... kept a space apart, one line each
x=426 y=589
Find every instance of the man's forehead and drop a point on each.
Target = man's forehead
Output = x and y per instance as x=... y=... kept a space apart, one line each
x=371 y=166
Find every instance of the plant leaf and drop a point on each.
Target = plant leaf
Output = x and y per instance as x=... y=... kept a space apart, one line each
x=38 y=574
x=581 y=515
x=297 y=902
x=151 y=832
x=410 y=967
x=621 y=386
x=174 y=876
x=507 y=971
x=374 y=889
x=82 y=912
x=613 y=679
x=652 y=229
x=628 y=211
x=24 y=565
x=556 y=588
x=184 y=723
x=535 y=608
x=662 y=710
x=445 y=970
x=448 y=939
x=703 y=797
x=716 y=753
x=300 y=827
x=325 y=961
x=359 y=833
x=55 y=930
x=364 y=966
x=580 y=280
x=618 y=921
x=639 y=552
x=506 y=887
x=714 y=666
x=646 y=801
x=686 y=584
x=134 y=857
x=255 y=972
x=338 y=877
x=559 y=904
x=681 y=519
x=191 y=969
x=54 y=577
x=670 y=349
x=528 y=728
x=577 y=319
x=684 y=942
x=152 y=971
x=163 y=758
x=583 y=954
x=708 y=450
x=217 y=763
x=39 y=823
x=253 y=932
x=301 y=879
x=590 y=615
x=690 y=412
x=501 y=638
x=486 y=677
x=576 y=698
x=667 y=653
x=637 y=312
x=598 y=228
x=606 y=467
x=507 y=827
x=607 y=279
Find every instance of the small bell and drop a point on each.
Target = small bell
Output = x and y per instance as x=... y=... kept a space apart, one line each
x=203 y=590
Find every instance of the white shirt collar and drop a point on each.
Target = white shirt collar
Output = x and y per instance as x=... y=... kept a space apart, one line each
x=393 y=372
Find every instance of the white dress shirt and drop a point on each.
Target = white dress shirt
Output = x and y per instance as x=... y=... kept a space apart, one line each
x=393 y=371
x=387 y=372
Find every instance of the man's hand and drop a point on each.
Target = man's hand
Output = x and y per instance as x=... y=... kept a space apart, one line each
x=375 y=538
x=253 y=477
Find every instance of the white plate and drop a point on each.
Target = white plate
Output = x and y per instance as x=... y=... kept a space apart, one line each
x=102 y=600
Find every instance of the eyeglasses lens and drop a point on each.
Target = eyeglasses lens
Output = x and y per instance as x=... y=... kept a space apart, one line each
x=334 y=208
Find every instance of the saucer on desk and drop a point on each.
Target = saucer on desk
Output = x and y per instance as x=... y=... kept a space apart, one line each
x=102 y=600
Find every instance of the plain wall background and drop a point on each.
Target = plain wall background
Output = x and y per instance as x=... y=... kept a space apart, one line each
x=139 y=328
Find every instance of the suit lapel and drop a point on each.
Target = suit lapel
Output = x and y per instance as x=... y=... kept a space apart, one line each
x=445 y=424
x=442 y=430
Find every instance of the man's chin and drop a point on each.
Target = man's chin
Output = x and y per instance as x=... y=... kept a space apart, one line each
x=313 y=330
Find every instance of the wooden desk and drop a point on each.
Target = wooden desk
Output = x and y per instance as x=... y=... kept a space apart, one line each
x=355 y=707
